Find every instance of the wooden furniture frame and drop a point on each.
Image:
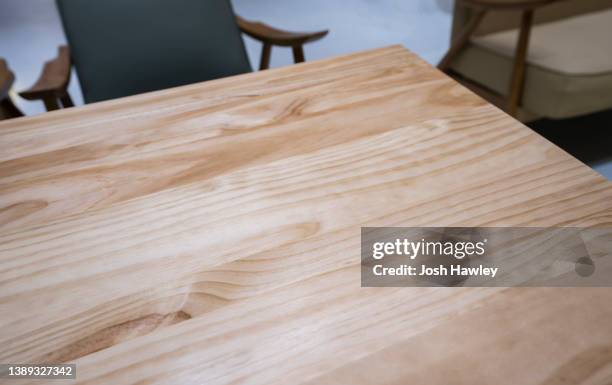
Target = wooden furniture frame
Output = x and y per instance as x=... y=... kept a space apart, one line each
x=8 y=109
x=271 y=36
x=52 y=85
x=517 y=80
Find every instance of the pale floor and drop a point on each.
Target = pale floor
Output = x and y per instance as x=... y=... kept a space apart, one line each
x=30 y=32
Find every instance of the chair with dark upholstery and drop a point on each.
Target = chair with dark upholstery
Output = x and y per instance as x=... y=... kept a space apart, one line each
x=126 y=47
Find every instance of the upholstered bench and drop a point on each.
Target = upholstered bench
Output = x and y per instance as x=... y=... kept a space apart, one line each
x=568 y=68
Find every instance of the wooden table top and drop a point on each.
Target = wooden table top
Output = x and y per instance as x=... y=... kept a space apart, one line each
x=210 y=234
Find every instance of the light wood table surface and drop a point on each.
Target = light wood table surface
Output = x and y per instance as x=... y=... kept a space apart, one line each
x=210 y=234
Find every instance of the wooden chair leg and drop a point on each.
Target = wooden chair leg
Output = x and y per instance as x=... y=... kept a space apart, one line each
x=298 y=53
x=266 y=52
x=460 y=42
x=517 y=81
x=66 y=101
x=51 y=103
x=8 y=109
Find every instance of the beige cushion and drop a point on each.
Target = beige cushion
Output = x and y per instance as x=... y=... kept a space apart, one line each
x=569 y=69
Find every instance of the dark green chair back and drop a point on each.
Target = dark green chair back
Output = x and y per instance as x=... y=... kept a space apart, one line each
x=127 y=47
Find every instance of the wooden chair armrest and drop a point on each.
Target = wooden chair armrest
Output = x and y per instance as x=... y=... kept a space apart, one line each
x=54 y=78
x=8 y=109
x=274 y=36
x=270 y=36
x=6 y=79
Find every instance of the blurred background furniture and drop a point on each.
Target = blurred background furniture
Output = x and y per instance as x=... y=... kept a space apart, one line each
x=535 y=58
x=423 y=26
x=31 y=31
x=52 y=85
x=7 y=107
x=125 y=48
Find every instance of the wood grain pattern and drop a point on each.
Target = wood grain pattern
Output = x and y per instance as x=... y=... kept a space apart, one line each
x=209 y=234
